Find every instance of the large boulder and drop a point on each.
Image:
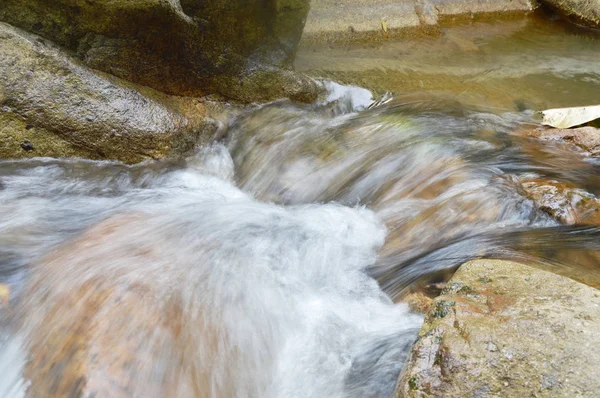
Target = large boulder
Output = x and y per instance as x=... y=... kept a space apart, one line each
x=183 y=47
x=585 y=12
x=52 y=105
x=502 y=329
x=94 y=335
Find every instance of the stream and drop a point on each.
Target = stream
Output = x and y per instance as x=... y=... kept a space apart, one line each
x=275 y=263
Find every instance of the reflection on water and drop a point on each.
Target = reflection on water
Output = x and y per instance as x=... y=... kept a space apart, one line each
x=269 y=264
x=518 y=64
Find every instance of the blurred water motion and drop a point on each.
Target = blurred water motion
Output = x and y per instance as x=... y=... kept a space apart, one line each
x=269 y=265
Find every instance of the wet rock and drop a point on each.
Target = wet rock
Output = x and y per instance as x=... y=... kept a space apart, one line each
x=506 y=329
x=418 y=302
x=187 y=47
x=585 y=12
x=331 y=20
x=566 y=203
x=92 y=337
x=52 y=105
x=583 y=139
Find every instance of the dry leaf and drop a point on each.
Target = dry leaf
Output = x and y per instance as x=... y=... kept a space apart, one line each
x=564 y=118
x=4 y=294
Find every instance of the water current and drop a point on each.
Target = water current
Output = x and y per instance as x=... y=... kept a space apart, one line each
x=275 y=263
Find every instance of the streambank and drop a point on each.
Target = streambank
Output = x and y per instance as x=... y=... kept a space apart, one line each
x=506 y=329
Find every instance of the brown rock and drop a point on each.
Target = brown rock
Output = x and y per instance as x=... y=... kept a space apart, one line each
x=586 y=12
x=502 y=329
x=91 y=334
x=418 y=302
x=566 y=203
x=586 y=139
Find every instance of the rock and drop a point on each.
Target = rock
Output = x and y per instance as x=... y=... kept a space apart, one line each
x=506 y=329
x=90 y=334
x=586 y=12
x=4 y=294
x=352 y=19
x=183 y=47
x=418 y=302
x=52 y=105
x=585 y=139
x=566 y=203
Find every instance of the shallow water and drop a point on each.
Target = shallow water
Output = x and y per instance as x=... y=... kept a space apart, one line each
x=526 y=63
x=274 y=264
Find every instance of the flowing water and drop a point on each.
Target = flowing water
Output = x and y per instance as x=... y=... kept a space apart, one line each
x=274 y=263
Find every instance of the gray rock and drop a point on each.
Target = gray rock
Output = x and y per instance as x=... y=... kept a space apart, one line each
x=335 y=20
x=183 y=47
x=502 y=329
x=52 y=105
x=586 y=12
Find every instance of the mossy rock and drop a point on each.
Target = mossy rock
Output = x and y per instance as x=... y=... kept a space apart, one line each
x=187 y=47
x=52 y=105
x=503 y=329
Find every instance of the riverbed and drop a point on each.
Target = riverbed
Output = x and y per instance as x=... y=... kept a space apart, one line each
x=284 y=252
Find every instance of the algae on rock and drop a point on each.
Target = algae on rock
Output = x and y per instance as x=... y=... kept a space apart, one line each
x=187 y=47
x=506 y=329
x=51 y=105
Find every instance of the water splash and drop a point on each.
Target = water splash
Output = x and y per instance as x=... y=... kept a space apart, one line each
x=252 y=268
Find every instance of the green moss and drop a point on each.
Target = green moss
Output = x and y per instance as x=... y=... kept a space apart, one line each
x=18 y=139
x=413 y=383
x=458 y=288
x=442 y=308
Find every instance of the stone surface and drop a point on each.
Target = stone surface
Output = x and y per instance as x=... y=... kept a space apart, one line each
x=89 y=335
x=52 y=105
x=585 y=139
x=418 y=302
x=585 y=12
x=344 y=19
x=183 y=47
x=563 y=201
x=502 y=329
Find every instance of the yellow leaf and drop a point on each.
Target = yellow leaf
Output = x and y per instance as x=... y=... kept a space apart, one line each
x=384 y=26
x=4 y=294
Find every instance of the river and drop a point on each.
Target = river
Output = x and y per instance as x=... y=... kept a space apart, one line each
x=275 y=263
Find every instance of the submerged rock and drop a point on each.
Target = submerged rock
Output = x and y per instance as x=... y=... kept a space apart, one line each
x=583 y=139
x=52 y=105
x=506 y=329
x=96 y=338
x=586 y=12
x=187 y=47
x=566 y=203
